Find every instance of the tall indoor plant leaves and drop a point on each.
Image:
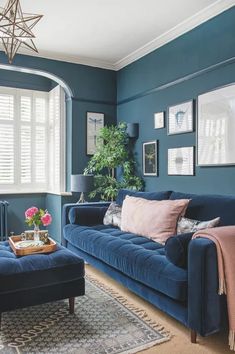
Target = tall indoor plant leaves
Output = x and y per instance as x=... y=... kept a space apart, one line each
x=113 y=152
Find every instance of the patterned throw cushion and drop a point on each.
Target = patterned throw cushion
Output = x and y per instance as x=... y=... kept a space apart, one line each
x=154 y=219
x=113 y=215
x=189 y=225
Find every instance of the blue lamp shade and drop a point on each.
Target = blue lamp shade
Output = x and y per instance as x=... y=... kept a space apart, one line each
x=82 y=183
x=132 y=130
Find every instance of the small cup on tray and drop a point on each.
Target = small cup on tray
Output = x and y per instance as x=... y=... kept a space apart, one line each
x=29 y=235
x=44 y=236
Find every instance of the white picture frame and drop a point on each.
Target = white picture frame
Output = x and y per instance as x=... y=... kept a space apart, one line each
x=181 y=161
x=180 y=118
x=94 y=122
x=216 y=127
x=150 y=158
x=159 y=120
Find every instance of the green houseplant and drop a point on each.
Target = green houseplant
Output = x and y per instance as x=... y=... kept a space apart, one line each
x=113 y=152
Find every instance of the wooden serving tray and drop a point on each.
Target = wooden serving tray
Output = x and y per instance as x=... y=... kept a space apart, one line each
x=48 y=248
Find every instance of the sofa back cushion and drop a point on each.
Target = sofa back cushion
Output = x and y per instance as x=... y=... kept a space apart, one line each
x=154 y=219
x=164 y=195
x=205 y=207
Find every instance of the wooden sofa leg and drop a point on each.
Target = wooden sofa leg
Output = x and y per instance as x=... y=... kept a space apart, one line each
x=71 y=305
x=193 y=336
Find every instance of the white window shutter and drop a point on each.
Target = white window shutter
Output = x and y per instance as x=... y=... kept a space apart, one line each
x=25 y=108
x=6 y=153
x=26 y=154
x=40 y=109
x=6 y=107
x=57 y=139
x=7 y=145
x=32 y=144
x=40 y=155
x=25 y=126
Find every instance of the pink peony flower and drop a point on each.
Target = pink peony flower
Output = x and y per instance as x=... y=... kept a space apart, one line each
x=31 y=212
x=46 y=219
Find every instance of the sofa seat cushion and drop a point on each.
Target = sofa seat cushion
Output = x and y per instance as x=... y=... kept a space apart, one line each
x=138 y=257
x=37 y=270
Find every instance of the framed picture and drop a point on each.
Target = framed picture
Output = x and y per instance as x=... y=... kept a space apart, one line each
x=95 y=121
x=159 y=120
x=180 y=118
x=215 y=127
x=181 y=161
x=150 y=158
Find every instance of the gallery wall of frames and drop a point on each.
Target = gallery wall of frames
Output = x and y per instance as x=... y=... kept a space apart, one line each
x=212 y=115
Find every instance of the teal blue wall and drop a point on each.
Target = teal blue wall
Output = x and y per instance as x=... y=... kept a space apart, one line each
x=194 y=63
x=10 y=78
x=17 y=206
x=93 y=89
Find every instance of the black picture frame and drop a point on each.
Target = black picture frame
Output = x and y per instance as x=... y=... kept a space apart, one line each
x=150 y=158
x=181 y=170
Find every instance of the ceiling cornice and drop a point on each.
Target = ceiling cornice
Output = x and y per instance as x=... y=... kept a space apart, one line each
x=183 y=27
x=73 y=59
x=68 y=58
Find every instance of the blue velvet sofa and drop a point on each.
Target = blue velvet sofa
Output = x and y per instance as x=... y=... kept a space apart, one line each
x=188 y=294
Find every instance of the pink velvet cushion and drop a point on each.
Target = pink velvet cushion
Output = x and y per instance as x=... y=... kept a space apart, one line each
x=154 y=219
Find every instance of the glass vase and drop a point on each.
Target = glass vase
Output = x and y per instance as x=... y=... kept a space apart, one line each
x=36 y=235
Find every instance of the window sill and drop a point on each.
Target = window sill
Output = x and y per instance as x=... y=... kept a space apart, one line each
x=63 y=194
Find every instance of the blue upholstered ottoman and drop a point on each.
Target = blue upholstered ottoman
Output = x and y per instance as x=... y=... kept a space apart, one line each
x=39 y=278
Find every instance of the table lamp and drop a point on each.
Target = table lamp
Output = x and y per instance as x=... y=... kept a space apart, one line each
x=82 y=184
x=132 y=130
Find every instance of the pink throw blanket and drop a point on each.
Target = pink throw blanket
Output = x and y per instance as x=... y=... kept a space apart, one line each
x=224 y=239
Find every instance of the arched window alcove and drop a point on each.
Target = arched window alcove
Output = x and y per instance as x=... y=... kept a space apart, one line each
x=26 y=134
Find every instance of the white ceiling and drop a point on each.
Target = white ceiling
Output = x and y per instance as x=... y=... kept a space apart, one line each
x=113 y=33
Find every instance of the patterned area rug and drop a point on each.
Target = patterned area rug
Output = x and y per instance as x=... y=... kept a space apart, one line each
x=103 y=323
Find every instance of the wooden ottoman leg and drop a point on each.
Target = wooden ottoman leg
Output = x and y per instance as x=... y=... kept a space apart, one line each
x=193 y=336
x=71 y=305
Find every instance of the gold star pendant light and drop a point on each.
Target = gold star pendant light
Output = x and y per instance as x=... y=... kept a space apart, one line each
x=16 y=29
